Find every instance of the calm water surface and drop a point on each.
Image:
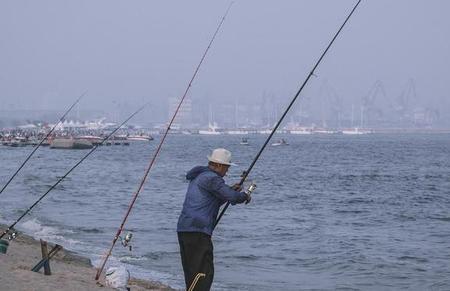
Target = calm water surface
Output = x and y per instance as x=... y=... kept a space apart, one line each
x=330 y=212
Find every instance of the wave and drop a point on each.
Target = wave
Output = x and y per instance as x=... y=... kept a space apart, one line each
x=36 y=229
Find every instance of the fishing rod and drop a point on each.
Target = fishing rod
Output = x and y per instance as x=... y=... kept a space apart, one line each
x=247 y=172
x=158 y=149
x=11 y=227
x=40 y=143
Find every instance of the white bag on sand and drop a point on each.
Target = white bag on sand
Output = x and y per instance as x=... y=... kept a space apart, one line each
x=117 y=277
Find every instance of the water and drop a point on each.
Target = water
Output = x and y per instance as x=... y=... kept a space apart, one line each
x=330 y=212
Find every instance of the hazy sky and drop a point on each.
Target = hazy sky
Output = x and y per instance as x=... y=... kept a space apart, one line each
x=137 y=51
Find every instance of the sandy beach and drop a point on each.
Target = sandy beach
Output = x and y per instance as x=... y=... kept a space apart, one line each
x=69 y=270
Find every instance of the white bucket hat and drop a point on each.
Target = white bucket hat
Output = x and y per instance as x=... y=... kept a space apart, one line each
x=221 y=156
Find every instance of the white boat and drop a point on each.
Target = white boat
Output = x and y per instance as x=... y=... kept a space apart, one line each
x=356 y=131
x=324 y=131
x=211 y=130
x=301 y=131
x=244 y=141
x=237 y=132
x=95 y=140
x=18 y=141
x=281 y=142
x=208 y=132
x=265 y=131
x=139 y=138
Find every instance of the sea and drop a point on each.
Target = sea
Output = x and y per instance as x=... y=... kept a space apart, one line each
x=330 y=212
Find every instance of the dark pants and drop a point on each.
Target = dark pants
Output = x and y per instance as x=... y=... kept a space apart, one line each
x=196 y=251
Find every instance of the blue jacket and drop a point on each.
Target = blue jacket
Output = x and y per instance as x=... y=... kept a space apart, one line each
x=207 y=191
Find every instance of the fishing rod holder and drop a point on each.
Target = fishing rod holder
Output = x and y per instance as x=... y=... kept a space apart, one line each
x=125 y=241
x=4 y=243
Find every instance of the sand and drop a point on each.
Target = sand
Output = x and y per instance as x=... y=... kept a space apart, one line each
x=69 y=271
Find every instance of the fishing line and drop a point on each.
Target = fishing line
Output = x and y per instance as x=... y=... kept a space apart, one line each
x=247 y=172
x=158 y=149
x=11 y=227
x=40 y=143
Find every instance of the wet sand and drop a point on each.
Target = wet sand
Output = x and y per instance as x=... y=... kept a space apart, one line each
x=69 y=270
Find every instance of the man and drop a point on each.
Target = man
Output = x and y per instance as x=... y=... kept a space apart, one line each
x=206 y=192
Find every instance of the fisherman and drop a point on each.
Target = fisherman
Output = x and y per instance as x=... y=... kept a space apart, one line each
x=206 y=192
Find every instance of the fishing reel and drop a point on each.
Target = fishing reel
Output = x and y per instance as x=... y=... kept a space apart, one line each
x=250 y=188
x=12 y=234
x=125 y=241
x=249 y=191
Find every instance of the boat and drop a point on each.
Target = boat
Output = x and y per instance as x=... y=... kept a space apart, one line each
x=208 y=132
x=237 y=132
x=265 y=131
x=301 y=131
x=70 y=143
x=281 y=142
x=323 y=131
x=95 y=140
x=19 y=142
x=46 y=143
x=244 y=141
x=141 y=137
x=33 y=142
x=212 y=125
x=356 y=131
x=211 y=130
x=119 y=137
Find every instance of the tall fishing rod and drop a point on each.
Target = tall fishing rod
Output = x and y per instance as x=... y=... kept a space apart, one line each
x=158 y=149
x=40 y=143
x=247 y=172
x=11 y=227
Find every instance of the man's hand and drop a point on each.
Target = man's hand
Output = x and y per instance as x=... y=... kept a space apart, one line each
x=236 y=187
x=249 y=198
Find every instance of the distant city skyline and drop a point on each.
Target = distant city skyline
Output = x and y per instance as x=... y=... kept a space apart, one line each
x=127 y=54
x=323 y=108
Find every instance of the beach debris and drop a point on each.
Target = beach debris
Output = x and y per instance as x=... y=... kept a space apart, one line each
x=117 y=277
